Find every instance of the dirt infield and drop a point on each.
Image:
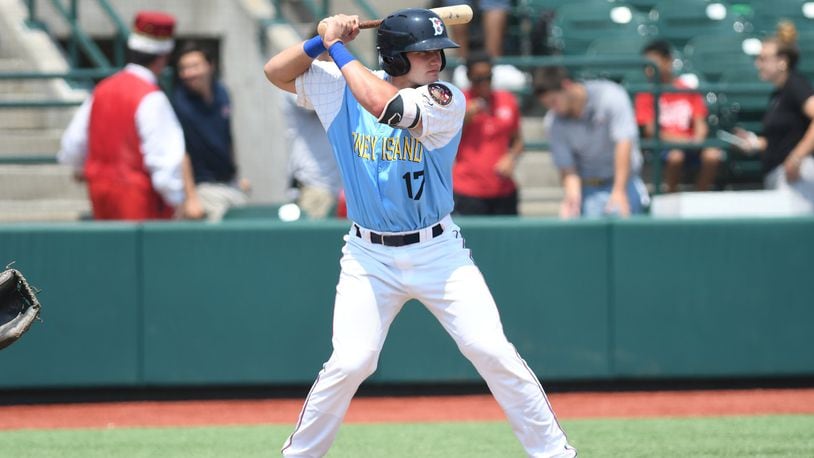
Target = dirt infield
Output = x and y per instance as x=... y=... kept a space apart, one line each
x=407 y=409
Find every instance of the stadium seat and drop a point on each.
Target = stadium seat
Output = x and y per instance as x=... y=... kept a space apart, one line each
x=710 y=55
x=645 y=6
x=678 y=22
x=577 y=24
x=764 y=15
x=628 y=45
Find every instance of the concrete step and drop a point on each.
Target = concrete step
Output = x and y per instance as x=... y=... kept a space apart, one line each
x=39 y=182
x=539 y=201
x=15 y=211
x=532 y=128
x=29 y=142
x=539 y=209
x=535 y=169
x=17 y=87
x=34 y=118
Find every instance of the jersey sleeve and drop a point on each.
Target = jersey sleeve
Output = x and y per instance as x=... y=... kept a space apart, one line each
x=442 y=108
x=321 y=88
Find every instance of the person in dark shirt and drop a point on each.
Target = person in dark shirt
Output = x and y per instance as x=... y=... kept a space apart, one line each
x=202 y=105
x=787 y=139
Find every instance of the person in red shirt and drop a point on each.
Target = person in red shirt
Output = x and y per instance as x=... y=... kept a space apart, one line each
x=682 y=119
x=490 y=145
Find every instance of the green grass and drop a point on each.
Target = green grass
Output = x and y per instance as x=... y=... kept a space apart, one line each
x=758 y=436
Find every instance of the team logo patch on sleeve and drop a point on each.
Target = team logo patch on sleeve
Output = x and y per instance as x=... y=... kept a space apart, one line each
x=440 y=93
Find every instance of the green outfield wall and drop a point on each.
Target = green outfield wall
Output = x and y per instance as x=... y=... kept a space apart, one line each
x=250 y=302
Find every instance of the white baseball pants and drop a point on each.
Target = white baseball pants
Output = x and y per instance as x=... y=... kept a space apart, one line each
x=374 y=283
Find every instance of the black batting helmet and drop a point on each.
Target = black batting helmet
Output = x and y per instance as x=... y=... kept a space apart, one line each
x=411 y=29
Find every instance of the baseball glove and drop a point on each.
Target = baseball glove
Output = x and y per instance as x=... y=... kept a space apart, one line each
x=19 y=306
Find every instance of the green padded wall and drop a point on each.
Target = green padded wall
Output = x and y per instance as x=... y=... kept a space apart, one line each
x=239 y=302
x=713 y=298
x=90 y=334
x=248 y=302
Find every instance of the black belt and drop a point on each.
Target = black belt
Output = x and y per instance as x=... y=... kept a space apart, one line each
x=399 y=239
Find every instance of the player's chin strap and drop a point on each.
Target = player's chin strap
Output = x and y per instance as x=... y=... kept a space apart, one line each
x=401 y=111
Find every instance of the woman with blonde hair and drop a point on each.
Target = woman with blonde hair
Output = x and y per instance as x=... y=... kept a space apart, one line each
x=787 y=139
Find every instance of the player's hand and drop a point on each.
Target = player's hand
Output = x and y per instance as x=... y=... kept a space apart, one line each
x=505 y=165
x=340 y=27
x=618 y=204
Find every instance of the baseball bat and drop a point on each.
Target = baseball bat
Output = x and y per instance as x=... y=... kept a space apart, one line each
x=451 y=15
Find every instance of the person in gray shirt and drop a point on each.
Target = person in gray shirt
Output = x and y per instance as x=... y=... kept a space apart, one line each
x=594 y=140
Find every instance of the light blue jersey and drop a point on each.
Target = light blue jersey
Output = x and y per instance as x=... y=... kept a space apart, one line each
x=395 y=180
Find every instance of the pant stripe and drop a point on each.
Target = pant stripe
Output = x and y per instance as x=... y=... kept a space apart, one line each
x=545 y=397
x=302 y=414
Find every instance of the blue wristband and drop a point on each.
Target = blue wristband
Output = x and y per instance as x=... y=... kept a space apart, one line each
x=314 y=47
x=340 y=54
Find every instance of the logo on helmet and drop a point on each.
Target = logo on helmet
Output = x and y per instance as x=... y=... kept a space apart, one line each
x=437 y=25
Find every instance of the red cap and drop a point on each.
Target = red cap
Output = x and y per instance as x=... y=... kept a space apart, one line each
x=152 y=32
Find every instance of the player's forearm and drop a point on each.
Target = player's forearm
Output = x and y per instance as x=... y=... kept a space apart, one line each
x=284 y=68
x=621 y=165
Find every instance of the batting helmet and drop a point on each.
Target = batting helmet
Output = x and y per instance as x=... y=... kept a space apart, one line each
x=411 y=29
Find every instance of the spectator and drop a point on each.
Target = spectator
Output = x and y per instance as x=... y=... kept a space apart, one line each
x=788 y=132
x=493 y=17
x=682 y=119
x=595 y=143
x=312 y=168
x=204 y=109
x=490 y=145
x=125 y=139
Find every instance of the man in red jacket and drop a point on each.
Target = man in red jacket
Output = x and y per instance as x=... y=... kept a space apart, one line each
x=125 y=139
x=490 y=145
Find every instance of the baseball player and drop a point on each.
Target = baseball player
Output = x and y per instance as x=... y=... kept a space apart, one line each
x=395 y=134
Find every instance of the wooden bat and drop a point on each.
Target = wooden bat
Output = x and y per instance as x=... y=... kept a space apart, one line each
x=451 y=15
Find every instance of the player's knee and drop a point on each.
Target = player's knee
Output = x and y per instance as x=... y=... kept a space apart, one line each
x=355 y=365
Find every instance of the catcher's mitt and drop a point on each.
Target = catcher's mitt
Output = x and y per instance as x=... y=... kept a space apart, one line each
x=19 y=306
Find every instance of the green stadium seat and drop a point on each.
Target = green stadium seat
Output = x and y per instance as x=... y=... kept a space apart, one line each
x=764 y=15
x=628 y=45
x=645 y=6
x=710 y=55
x=680 y=21
x=578 y=24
